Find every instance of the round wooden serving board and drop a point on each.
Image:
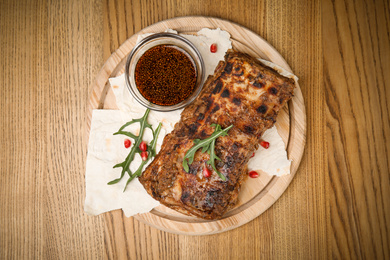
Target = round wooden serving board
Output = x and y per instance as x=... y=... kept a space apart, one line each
x=256 y=195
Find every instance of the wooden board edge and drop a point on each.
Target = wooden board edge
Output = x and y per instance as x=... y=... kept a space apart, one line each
x=272 y=54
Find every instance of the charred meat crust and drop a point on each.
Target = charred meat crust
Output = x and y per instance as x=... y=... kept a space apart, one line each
x=242 y=92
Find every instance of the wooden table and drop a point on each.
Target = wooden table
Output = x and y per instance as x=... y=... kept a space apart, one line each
x=338 y=203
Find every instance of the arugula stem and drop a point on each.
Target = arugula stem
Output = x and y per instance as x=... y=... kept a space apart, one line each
x=151 y=154
x=208 y=145
x=135 y=148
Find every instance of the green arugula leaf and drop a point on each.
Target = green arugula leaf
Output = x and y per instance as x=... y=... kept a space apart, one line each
x=151 y=153
x=135 y=148
x=207 y=145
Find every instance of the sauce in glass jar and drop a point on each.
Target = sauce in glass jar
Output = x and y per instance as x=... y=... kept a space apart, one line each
x=165 y=75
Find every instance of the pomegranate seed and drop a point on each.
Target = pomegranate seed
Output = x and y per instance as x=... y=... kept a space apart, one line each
x=143 y=146
x=253 y=155
x=127 y=143
x=264 y=144
x=206 y=172
x=253 y=174
x=144 y=155
x=213 y=48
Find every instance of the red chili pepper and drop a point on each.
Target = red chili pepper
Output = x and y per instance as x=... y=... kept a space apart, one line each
x=127 y=143
x=143 y=146
x=144 y=155
x=264 y=144
x=253 y=174
x=253 y=155
x=206 y=172
x=213 y=48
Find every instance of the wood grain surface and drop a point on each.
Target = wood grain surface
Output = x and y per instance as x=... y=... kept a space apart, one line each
x=337 y=206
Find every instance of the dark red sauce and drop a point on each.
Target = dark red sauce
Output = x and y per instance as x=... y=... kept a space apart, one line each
x=165 y=75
